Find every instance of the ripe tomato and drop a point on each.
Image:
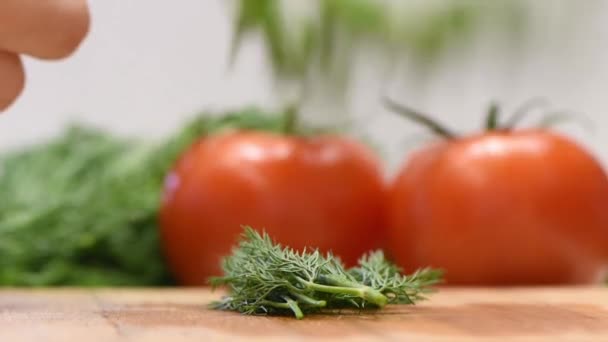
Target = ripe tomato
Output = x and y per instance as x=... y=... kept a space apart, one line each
x=527 y=207
x=325 y=192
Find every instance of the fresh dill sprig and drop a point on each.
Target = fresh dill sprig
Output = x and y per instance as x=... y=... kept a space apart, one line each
x=377 y=272
x=264 y=277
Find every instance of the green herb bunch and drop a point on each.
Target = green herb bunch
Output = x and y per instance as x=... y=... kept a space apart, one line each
x=324 y=37
x=81 y=209
x=266 y=278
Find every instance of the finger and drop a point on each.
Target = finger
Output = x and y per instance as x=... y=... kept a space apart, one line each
x=47 y=29
x=12 y=78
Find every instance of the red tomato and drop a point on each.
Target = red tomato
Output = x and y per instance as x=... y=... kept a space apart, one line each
x=323 y=192
x=527 y=207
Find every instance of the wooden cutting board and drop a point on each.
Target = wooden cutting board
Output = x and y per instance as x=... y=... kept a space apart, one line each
x=453 y=314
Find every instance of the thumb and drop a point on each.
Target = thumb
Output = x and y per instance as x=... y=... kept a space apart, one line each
x=12 y=78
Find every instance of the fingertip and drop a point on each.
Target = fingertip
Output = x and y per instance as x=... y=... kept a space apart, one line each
x=81 y=24
x=13 y=79
x=77 y=19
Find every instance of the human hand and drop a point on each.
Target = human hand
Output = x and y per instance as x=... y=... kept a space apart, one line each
x=46 y=29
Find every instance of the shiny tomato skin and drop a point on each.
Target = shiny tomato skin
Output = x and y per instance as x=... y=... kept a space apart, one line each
x=324 y=192
x=521 y=208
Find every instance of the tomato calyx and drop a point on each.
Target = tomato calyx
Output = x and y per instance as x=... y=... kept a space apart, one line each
x=492 y=121
x=423 y=119
x=290 y=123
x=492 y=117
x=520 y=113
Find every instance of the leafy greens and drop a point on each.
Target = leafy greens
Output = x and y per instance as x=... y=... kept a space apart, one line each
x=81 y=209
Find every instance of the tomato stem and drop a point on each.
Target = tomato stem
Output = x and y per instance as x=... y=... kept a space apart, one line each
x=291 y=119
x=492 y=118
x=420 y=118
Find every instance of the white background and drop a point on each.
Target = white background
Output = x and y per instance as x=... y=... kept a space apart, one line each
x=148 y=65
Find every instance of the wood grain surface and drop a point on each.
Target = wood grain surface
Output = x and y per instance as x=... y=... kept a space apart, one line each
x=452 y=314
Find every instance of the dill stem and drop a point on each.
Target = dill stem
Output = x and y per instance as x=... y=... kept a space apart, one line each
x=304 y=299
x=289 y=304
x=293 y=305
x=274 y=304
x=343 y=287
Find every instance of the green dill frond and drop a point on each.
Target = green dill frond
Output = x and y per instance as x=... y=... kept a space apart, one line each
x=377 y=272
x=264 y=277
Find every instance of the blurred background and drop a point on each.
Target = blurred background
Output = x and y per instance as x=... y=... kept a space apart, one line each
x=148 y=66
